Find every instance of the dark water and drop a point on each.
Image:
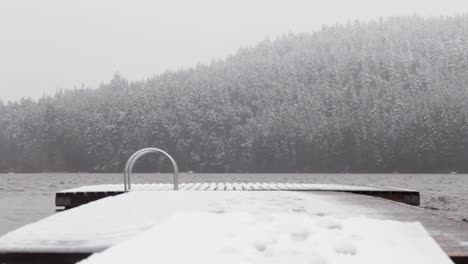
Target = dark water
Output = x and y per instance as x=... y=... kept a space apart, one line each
x=25 y=198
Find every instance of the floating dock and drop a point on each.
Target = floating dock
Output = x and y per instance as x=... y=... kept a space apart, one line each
x=75 y=234
x=105 y=217
x=82 y=195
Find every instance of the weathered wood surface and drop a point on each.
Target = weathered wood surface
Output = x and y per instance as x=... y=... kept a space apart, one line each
x=78 y=196
x=101 y=224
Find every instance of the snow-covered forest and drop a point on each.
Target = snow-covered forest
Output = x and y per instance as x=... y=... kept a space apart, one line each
x=381 y=96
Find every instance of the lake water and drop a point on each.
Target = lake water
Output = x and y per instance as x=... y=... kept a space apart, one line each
x=25 y=198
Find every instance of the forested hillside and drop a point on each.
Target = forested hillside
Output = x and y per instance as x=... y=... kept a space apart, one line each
x=383 y=96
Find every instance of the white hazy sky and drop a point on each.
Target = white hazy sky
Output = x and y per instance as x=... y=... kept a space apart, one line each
x=61 y=44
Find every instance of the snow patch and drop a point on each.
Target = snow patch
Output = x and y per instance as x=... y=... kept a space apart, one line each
x=243 y=237
x=107 y=222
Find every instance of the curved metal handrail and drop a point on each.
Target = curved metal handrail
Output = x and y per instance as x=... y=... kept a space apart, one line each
x=131 y=161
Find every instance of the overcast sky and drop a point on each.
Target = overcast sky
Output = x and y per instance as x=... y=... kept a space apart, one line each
x=61 y=44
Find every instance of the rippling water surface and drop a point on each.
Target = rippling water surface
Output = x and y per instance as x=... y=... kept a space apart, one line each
x=25 y=198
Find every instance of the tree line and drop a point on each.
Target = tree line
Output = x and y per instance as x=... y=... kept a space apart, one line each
x=389 y=95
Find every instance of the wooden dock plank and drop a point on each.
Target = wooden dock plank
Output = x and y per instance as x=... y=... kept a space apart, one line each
x=204 y=186
x=158 y=187
x=167 y=187
x=247 y=186
x=186 y=186
x=256 y=186
x=451 y=235
x=237 y=186
x=78 y=196
x=212 y=187
x=229 y=187
x=98 y=225
x=283 y=186
x=204 y=237
x=270 y=186
x=220 y=186
x=196 y=186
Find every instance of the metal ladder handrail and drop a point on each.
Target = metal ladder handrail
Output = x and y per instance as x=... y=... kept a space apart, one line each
x=135 y=156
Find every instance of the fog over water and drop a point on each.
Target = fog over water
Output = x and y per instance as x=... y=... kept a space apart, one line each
x=52 y=44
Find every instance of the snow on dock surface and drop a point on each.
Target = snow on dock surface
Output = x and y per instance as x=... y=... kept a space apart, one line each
x=101 y=224
x=241 y=227
x=240 y=237
x=82 y=195
x=226 y=187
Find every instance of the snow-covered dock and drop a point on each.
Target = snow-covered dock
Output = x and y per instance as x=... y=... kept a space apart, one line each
x=78 y=196
x=95 y=227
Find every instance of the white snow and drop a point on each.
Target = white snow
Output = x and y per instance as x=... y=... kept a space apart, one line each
x=227 y=227
x=227 y=186
x=103 y=223
x=106 y=222
x=241 y=237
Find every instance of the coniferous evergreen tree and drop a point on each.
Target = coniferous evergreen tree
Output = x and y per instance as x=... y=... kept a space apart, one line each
x=382 y=96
